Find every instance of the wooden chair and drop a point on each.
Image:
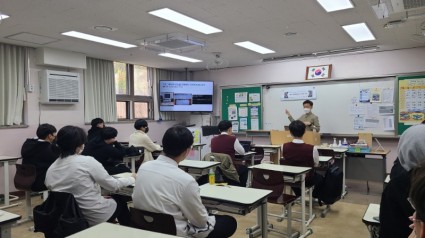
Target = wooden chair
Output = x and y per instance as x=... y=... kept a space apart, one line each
x=273 y=180
x=151 y=221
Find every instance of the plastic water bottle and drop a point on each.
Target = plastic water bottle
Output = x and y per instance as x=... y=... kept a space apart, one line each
x=334 y=144
x=345 y=143
x=211 y=177
x=339 y=143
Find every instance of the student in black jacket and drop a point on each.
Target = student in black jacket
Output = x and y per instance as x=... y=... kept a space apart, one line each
x=97 y=125
x=38 y=152
x=107 y=151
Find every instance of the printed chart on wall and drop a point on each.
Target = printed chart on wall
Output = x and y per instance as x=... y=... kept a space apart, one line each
x=411 y=93
x=242 y=106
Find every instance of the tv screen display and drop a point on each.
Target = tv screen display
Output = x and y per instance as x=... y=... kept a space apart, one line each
x=186 y=96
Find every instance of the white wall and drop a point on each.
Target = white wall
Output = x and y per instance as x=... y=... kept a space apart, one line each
x=375 y=64
x=12 y=139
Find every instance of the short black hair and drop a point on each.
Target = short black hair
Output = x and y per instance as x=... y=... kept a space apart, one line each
x=69 y=138
x=417 y=191
x=308 y=102
x=96 y=121
x=140 y=123
x=176 y=140
x=297 y=128
x=224 y=125
x=109 y=133
x=44 y=130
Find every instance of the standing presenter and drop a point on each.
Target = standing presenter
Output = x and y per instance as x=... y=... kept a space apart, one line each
x=310 y=120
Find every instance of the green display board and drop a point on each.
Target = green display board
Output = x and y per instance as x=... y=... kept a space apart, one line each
x=243 y=107
x=411 y=101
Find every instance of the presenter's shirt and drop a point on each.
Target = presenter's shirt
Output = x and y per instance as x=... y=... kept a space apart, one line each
x=310 y=117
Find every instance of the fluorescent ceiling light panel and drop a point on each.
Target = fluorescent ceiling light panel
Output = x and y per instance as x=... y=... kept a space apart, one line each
x=3 y=16
x=179 y=57
x=176 y=17
x=335 y=5
x=254 y=47
x=98 y=39
x=359 y=32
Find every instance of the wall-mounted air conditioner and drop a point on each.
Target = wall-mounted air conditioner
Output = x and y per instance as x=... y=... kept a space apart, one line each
x=57 y=87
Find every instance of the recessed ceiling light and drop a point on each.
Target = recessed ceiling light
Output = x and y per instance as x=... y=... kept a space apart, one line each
x=98 y=39
x=176 y=17
x=180 y=57
x=335 y=5
x=359 y=32
x=254 y=47
x=3 y=16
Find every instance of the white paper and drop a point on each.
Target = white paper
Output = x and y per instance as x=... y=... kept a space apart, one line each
x=388 y=95
x=254 y=124
x=243 y=112
x=364 y=95
x=388 y=123
x=376 y=95
x=358 y=123
x=386 y=109
x=298 y=93
x=241 y=97
x=372 y=109
x=243 y=124
x=357 y=109
x=254 y=97
x=235 y=126
x=371 y=122
x=254 y=111
x=233 y=113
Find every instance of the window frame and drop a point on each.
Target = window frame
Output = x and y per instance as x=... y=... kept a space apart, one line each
x=130 y=98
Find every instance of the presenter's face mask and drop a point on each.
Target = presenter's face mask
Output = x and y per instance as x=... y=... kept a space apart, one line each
x=307 y=110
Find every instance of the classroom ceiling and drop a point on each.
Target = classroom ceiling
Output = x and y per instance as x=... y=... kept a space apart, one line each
x=264 y=22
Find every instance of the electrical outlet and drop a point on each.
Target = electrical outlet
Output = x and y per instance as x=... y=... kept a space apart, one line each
x=30 y=88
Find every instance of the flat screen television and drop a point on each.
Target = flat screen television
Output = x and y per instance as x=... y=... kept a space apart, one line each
x=186 y=96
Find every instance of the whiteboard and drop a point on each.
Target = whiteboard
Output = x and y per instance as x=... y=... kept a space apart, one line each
x=332 y=105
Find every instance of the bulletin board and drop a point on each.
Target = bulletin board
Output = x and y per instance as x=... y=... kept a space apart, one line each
x=411 y=101
x=243 y=107
x=341 y=105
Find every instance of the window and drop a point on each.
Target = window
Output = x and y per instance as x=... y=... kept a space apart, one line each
x=133 y=90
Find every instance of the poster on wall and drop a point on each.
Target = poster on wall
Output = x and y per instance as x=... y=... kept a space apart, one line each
x=241 y=97
x=298 y=93
x=411 y=101
x=254 y=97
x=243 y=125
x=235 y=126
x=233 y=113
x=243 y=111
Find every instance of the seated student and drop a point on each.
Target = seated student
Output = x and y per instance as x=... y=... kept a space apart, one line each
x=108 y=151
x=81 y=176
x=298 y=153
x=164 y=188
x=140 y=138
x=38 y=152
x=417 y=198
x=97 y=125
x=395 y=210
x=227 y=143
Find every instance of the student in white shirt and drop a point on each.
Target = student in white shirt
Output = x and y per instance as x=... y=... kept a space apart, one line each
x=140 y=138
x=81 y=176
x=162 y=187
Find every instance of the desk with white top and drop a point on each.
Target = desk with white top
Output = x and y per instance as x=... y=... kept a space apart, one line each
x=273 y=150
x=371 y=219
x=198 y=146
x=133 y=160
x=238 y=200
x=297 y=174
x=197 y=168
x=109 y=230
x=5 y=161
x=7 y=219
x=247 y=156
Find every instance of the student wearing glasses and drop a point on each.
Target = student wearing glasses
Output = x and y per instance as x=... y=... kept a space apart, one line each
x=38 y=152
x=395 y=210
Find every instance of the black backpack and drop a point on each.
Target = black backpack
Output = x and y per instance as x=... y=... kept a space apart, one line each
x=330 y=189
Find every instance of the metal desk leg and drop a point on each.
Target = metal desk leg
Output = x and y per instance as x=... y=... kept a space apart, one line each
x=344 y=187
x=133 y=164
x=304 y=231
x=5 y=231
x=263 y=224
x=6 y=188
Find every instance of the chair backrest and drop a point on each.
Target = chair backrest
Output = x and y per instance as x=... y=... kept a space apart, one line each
x=246 y=144
x=270 y=180
x=227 y=167
x=151 y=221
x=326 y=152
x=24 y=176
